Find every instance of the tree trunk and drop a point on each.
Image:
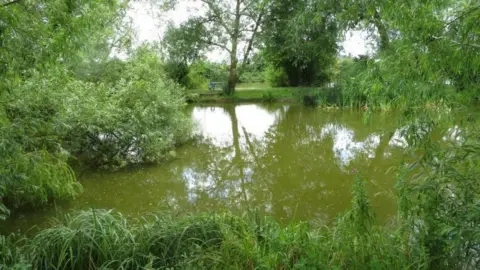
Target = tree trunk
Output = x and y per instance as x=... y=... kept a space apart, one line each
x=232 y=76
x=250 y=42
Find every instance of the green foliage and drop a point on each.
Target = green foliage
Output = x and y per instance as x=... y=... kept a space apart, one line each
x=439 y=199
x=184 y=44
x=215 y=72
x=63 y=101
x=109 y=71
x=268 y=97
x=348 y=80
x=368 y=15
x=200 y=74
x=251 y=77
x=34 y=34
x=11 y=256
x=253 y=70
x=225 y=25
x=138 y=119
x=276 y=77
x=432 y=56
x=184 y=48
x=300 y=38
x=178 y=72
x=196 y=75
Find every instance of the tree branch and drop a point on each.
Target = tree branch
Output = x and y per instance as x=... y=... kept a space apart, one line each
x=217 y=14
x=209 y=42
x=458 y=43
x=10 y=3
x=250 y=41
x=461 y=16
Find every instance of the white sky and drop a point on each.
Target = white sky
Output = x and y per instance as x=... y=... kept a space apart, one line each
x=149 y=26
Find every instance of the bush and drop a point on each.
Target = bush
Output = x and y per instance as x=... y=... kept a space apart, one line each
x=268 y=96
x=198 y=76
x=177 y=72
x=53 y=119
x=137 y=120
x=33 y=163
x=276 y=77
x=440 y=207
x=252 y=77
x=348 y=80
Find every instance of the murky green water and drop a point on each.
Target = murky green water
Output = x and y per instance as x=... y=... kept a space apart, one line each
x=291 y=162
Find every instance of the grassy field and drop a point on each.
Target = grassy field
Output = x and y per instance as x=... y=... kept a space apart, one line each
x=267 y=94
x=252 y=86
x=239 y=86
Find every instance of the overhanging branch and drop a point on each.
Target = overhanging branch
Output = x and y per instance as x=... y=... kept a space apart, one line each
x=10 y=3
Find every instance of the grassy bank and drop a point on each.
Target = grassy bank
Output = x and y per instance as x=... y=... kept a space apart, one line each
x=103 y=239
x=287 y=94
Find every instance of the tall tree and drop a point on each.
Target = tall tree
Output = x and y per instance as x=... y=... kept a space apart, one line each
x=182 y=47
x=228 y=25
x=299 y=37
x=233 y=22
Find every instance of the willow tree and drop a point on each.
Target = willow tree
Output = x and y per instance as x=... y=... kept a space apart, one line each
x=55 y=111
x=182 y=47
x=367 y=14
x=41 y=44
x=433 y=52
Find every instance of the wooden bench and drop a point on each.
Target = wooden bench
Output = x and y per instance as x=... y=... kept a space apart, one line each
x=213 y=85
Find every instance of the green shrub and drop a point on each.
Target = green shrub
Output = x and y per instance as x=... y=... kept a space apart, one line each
x=11 y=255
x=52 y=120
x=137 y=120
x=268 y=96
x=276 y=77
x=252 y=77
x=178 y=72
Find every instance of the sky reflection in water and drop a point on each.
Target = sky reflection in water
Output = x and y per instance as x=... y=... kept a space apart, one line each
x=287 y=161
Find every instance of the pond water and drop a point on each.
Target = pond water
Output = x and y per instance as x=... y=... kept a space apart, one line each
x=287 y=161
